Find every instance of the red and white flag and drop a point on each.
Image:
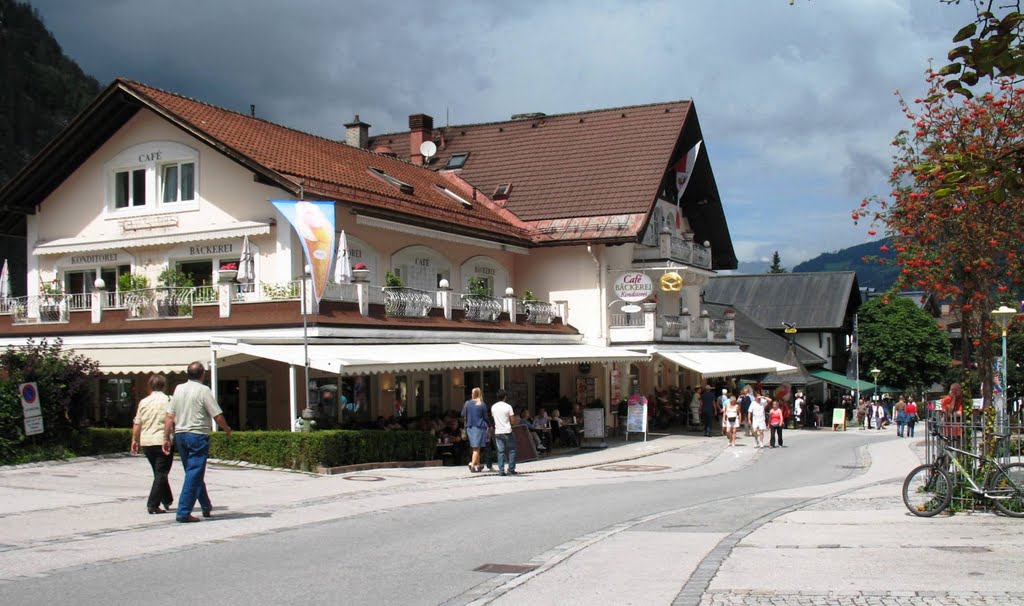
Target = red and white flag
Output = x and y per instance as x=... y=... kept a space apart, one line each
x=684 y=170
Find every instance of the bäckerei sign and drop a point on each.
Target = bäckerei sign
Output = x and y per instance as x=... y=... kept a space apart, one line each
x=633 y=287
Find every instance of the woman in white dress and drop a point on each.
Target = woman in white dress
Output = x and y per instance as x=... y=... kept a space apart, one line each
x=755 y=417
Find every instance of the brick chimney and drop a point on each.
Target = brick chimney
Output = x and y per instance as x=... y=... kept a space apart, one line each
x=421 y=128
x=357 y=133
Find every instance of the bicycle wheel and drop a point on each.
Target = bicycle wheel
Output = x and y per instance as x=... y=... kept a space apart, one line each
x=927 y=490
x=1006 y=490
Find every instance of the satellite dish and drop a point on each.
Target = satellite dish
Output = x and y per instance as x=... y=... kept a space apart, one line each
x=428 y=149
x=630 y=309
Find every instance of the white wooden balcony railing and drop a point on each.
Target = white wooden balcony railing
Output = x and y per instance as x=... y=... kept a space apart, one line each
x=164 y=302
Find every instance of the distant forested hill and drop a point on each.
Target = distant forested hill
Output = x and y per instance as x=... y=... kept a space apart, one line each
x=873 y=275
x=41 y=88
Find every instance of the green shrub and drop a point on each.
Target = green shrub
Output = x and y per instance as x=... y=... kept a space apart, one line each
x=331 y=448
x=99 y=440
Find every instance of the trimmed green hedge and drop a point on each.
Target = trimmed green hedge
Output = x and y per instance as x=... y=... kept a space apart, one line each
x=328 y=448
x=87 y=442
x=98 y=440
x=298 y=450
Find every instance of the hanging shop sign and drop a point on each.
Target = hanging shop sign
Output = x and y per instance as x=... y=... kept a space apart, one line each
x=633 y=287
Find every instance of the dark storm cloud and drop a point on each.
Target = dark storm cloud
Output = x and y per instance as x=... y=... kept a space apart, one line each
x=795 y=102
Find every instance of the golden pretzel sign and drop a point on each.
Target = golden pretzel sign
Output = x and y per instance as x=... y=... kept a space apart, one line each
x=671 y=282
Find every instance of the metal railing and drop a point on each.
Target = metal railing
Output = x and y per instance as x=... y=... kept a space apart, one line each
x=38 y=309
x=538 y=312
x=624 y=320
x=481 y=308
x=1006 y=446
x=404 y=302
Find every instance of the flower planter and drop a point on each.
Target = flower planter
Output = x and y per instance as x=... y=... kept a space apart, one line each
x=226 y=275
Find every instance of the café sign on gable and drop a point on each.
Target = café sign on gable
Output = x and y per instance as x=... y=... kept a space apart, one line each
x=633 y=286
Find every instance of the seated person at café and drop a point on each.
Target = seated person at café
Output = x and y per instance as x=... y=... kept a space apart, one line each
x=542 y=426
x=525 y=418
x=452 y=434
x=562 y=429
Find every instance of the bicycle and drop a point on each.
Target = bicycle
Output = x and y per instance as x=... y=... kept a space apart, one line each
x=928 y=489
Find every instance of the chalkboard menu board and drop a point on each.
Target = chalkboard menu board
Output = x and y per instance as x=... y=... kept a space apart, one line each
x=636 y=419
x=593 y=422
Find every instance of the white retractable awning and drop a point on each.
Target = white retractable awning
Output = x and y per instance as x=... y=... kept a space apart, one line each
x=151 y=359
x=372 y=359
x=74 y=245
x=724 y=363
x=568 y=354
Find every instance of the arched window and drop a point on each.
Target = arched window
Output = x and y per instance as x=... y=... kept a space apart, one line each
x=486 y=269
x=421 y=267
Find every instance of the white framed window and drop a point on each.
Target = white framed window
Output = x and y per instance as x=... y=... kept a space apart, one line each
x=178 y=182
x=149 y=176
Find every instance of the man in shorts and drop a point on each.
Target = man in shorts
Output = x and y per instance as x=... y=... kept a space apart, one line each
x=755 y=419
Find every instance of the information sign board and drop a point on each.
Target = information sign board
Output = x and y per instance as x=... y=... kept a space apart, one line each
x=838 y=419
x=33 y=425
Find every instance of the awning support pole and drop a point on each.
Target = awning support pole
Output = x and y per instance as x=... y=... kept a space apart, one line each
x=293 y=405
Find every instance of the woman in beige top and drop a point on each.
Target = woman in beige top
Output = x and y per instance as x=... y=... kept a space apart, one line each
x=148 y=432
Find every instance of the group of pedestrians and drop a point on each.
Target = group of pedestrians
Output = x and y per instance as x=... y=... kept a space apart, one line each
x=185 y=420
x=483 y=422
x=878 y=414
x=759 y=413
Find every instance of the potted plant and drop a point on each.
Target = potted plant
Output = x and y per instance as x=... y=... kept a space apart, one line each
x=171 y=279
x=529 y=296
x=650 y=304
x=227 y=272
x=478 y=287
x=134 y=292
x=360 y=272
x=393 y=280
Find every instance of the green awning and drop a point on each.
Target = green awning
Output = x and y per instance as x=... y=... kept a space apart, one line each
x=837 y=379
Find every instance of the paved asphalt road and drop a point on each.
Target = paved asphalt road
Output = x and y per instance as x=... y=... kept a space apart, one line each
x=692 y=523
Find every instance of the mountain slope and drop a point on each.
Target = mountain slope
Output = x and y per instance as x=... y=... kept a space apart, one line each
x=872 y=275
x=41 y=91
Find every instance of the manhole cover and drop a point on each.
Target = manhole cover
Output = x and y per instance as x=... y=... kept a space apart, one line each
x=633 y=467
x=364 y=478
x=506 y=568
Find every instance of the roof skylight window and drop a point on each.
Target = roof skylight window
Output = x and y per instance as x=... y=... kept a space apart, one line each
x=457 y=160
x=502 y=191
x=456 y=197
x=404 y=187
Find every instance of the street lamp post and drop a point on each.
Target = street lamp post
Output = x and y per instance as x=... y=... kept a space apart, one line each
x=1002 y=317
x=874 y=375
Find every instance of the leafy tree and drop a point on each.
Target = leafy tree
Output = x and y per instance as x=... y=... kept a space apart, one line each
x=955 y=226
x=776 y=267
x=903 y=341
x=66 y=392
x=992 y=49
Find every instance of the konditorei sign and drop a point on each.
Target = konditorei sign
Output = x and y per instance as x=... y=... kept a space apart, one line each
x=633 y=286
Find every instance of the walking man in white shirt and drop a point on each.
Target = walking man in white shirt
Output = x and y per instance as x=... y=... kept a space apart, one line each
x=504 y=418
x=191 y=413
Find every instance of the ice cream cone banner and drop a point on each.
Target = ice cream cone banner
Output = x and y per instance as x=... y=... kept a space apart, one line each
x=314 y=224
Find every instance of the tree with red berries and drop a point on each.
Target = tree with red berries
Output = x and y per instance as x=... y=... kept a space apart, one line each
x=956 y=218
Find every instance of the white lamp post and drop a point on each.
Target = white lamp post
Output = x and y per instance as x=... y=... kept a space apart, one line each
x=1002 y=317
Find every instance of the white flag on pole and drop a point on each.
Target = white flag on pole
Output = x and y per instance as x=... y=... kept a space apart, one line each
x=684 y=171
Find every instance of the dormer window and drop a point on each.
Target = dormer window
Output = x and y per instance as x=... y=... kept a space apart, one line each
x=457 y=160
x=404 y=187
x=502 y=191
